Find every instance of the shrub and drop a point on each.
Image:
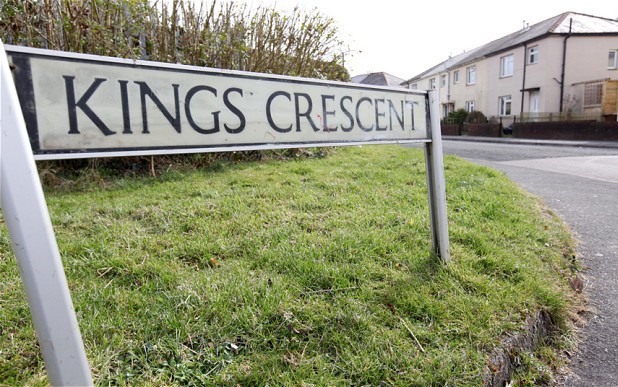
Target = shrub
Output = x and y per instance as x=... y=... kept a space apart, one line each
x=476 y=117
x=457 y=117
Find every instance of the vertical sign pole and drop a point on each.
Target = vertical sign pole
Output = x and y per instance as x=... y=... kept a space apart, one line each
x=435 y=183
x=35 y=247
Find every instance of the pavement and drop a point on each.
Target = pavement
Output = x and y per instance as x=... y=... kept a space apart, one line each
x=530 y=141
x=582 y=190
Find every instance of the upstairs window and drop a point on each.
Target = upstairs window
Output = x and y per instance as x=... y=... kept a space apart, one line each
x=442 y=80
x=471 y=75
x=506 y=66
x=414 y=86
x=533 y=55
x=612 y=60
x=432 y=84
x=456 y=77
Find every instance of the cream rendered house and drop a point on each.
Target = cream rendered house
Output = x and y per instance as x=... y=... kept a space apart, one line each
x=563 y=64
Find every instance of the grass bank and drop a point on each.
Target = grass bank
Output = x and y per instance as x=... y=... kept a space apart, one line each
x=308 y=272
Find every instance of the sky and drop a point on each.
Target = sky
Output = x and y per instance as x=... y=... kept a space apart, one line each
x=406 y=37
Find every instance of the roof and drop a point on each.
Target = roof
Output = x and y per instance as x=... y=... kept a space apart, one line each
x=565 y=23
x=378 y=79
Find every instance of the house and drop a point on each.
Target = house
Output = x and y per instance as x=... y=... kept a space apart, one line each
x=567 y=64
x=378 y=79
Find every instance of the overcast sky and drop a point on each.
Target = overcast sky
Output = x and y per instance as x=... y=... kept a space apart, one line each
x=406 y=37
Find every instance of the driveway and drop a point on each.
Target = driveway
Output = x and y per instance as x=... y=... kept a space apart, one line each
x=580 y=183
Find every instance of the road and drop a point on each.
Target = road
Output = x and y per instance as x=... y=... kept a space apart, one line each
x=581 y=185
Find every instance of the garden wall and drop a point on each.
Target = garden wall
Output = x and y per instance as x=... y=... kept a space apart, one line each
x=450 y=130
x=484 y=130
x=567 y=130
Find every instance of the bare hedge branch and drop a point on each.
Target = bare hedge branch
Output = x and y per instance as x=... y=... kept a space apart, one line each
x=215 y=34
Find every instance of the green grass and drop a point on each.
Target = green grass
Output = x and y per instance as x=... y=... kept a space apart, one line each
x=309 y=272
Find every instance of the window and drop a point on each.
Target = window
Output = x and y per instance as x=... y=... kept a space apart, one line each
x=612 y=59
x=471 y=71
x=505 y=105
x=456 y=77
x=442 y=80
x=506 y=66
x=414 y=86
x=469 y=106
x=432 y=84
x=533 y=55
x=447 y=108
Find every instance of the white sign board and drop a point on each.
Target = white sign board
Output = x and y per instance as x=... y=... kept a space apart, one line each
x=59 y=105
x=76 y=105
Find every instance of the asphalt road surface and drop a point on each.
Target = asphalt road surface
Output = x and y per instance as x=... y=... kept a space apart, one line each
x=581 y=185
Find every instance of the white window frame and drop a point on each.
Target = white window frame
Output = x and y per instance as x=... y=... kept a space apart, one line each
x=413 y=86
x=533 y=55
x=471 y=75
x=470 y=106
x=507 y=63
x=504 y=105
x=443 y=80
x=612 y=60
x=455 y=77
x=432 y=84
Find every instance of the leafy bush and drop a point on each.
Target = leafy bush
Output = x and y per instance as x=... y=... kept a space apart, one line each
x=476 y=117
x=458 y=116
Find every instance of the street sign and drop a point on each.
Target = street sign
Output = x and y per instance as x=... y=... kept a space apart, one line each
x=57 y=105
x=83 y=106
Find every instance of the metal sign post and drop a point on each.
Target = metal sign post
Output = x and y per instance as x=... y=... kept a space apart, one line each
x=57 y=105
x=434 y=160
x=34 y=244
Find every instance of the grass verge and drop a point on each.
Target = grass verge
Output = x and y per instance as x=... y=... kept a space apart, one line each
x=308 y=272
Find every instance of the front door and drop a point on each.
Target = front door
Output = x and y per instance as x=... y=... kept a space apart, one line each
x=533 y=107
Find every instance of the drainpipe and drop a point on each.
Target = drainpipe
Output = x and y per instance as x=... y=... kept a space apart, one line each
x=523 y=82
x=448 y=86
x=564 y=48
